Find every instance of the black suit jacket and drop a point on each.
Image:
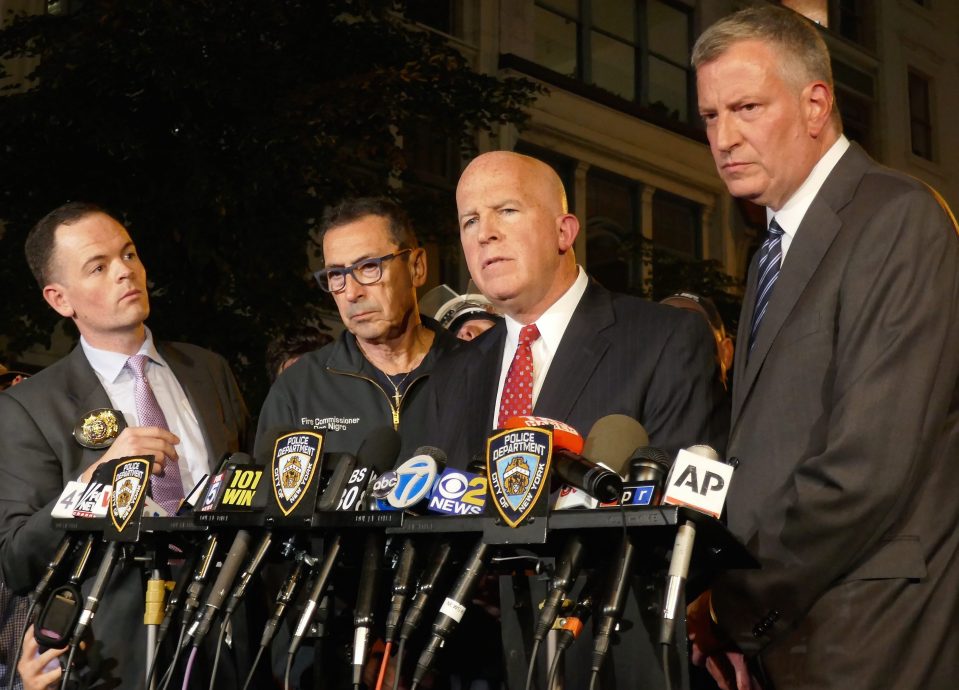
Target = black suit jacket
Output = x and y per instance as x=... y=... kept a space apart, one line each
x=619 y=354
x=846 y=425
x=38 y=456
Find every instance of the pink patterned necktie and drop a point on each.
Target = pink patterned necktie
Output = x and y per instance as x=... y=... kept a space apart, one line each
x=517 y=398
x=167 y=489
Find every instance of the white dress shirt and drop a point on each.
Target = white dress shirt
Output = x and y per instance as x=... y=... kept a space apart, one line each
x=118 y=382
x=794 y=210
x=552 y=325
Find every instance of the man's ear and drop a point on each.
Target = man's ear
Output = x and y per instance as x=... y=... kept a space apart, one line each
x=56 y=297
x=418 y=266
x=818 y=103
x=568 y=230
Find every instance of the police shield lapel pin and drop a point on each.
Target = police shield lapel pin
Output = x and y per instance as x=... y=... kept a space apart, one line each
x=295 y=459
x=129 y=487
x=97 y=429
x=517 y=462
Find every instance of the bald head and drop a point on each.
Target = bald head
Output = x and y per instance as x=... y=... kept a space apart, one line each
x=516 y=232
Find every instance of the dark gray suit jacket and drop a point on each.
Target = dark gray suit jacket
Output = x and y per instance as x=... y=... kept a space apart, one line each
x=620 y=355
x=846 y=424
x=38 y=456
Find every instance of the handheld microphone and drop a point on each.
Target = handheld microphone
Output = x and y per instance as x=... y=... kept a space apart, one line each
x=284 y=597
x=453 y=607
x=96 y=591
x=262 y=547
x=437 y=561
x=221 y=587
x=65 y=547
x=692 y=463
x=363 y=611
x=402 y=587
x=60 y=613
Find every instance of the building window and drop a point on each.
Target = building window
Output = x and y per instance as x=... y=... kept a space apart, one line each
x=677 y=225
x=636 y=50
x=851 y=19
x=442 y=15
x=614 y=243
x=920 y=115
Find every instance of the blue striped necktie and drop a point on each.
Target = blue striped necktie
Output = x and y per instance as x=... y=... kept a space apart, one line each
x=770 y=259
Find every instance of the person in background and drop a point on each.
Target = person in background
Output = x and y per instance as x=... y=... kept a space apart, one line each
x=288 y=346
x=707 y=309
x=465 y=316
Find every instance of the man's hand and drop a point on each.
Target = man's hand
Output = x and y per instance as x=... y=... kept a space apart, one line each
x=31 y=665
x=139 y=440
x=725 y=664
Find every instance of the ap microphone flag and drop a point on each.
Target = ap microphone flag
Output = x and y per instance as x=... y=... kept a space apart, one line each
x=699 y=483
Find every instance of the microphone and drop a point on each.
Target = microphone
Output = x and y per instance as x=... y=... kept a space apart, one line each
x=416 y=477
x=611 y=441
x=696 y=461
x=376 y=455
x=221 y=586
x=617 y=436
x=96 y=591
x=343 y=465
x=436 y=563
x=453 y=607
x=65 y=547
x=363 y=611
x=618 y=588
x=402 y=587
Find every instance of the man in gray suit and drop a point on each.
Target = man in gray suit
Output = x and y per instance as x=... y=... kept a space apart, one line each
x=845 y=416
x=89 y=271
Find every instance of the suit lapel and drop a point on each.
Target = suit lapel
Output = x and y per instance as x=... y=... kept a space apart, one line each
x=83 y=387
x=816 y=233
x=483 y=376
x=206 y=406
x=580 y=350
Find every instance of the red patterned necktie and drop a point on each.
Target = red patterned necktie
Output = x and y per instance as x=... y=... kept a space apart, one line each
x=517 y=398
x=168 y=489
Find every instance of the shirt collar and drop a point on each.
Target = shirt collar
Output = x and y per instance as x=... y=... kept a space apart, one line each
x=552 y=324
x=794 y=210
x=109 y=364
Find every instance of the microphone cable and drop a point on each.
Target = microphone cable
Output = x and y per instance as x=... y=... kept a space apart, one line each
x=387 y=648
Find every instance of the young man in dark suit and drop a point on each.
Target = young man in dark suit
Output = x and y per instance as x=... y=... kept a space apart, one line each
x=89 y=271
x=845 y=416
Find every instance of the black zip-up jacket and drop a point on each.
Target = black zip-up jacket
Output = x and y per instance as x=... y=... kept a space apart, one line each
x=337 y=391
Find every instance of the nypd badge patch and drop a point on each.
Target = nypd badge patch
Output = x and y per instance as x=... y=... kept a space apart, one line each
x=129 y=487
x=295 y=459
x=518 y=462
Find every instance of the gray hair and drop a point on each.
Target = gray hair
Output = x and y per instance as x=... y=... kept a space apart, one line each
x=805 y=55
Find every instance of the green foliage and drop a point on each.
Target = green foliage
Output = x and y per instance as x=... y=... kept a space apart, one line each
x=218 y=131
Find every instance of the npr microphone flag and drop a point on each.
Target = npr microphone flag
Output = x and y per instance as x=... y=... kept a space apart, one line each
x=698 y=483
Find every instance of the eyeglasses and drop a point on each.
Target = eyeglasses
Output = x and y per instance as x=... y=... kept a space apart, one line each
x=364 y=272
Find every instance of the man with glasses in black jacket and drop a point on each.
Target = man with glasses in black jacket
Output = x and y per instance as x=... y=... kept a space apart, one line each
x=375 y=373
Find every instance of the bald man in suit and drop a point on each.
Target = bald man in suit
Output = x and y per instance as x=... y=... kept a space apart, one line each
x=845 y=416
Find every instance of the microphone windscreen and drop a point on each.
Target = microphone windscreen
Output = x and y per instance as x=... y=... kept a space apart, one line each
x=436 y=453
x=379 y=449
x=704 y=451
x=612 y=441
